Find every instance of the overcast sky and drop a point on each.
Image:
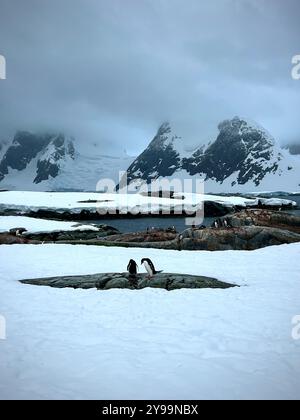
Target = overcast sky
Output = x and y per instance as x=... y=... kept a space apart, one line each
x=111 y=71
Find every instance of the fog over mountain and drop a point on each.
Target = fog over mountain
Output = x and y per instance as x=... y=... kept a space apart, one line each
x=110 y=72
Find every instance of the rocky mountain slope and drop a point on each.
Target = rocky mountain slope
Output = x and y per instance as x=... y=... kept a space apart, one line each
x=43 y=162
x=243 y=158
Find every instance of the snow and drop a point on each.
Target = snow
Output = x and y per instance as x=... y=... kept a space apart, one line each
x=251 y=125
x=76 y=202
x=41 y=225
x=82 y=173
x=150 y=344
x=283 y=180
x=4 y=145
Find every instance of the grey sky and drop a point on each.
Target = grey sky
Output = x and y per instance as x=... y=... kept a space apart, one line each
x=110 y=71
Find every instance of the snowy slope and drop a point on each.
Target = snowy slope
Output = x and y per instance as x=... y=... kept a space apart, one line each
x=150 y=344
x=85 y=172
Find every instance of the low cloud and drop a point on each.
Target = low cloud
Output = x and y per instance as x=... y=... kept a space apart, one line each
x=110 y=73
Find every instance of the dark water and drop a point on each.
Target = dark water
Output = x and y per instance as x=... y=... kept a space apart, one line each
x=297 y=199
x=141 y=224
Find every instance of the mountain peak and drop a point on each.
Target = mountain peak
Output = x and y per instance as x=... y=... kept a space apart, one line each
x=165 y=128
x=246 y=129
x=244 y=153
x=55 y=154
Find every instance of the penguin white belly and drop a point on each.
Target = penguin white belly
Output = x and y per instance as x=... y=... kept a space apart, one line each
x=148 y=269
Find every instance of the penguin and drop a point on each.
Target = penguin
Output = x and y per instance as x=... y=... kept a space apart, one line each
x=19 y=232
x=149 y=266
x=132 y=268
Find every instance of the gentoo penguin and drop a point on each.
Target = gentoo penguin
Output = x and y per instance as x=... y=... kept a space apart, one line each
x=149 y=266
x=18 y=231
x=132 y=268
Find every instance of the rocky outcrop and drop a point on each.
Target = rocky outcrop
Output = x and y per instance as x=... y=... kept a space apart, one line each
x=72 y=235
x=125 y=281
x=144 y=237
x=246 y=238
x=21 y=236
x=11 y=239
x=279 y=220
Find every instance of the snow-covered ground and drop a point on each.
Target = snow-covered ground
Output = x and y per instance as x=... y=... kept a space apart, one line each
x=41 y=225
x=192 y=344
x=76 y=202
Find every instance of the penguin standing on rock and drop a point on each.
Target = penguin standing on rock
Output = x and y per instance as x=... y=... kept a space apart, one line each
x=149 y=266
x=132 y=268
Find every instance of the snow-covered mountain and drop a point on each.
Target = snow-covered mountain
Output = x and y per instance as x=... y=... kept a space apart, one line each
x=50 y=162
x=243 y=158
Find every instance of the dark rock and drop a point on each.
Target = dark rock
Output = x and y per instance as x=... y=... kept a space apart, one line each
x=213 y=209
x=140 y=237
x=11 y=239
x=242 y=238
x=256 y=217
x=125 y=281
x=74 y=235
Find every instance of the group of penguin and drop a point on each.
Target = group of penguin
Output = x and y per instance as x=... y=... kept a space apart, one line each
x=220 y=223
x=147 y=263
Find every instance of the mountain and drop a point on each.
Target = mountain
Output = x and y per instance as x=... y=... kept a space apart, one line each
x=50 y=162
x=243 y=158
x=161 y=158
